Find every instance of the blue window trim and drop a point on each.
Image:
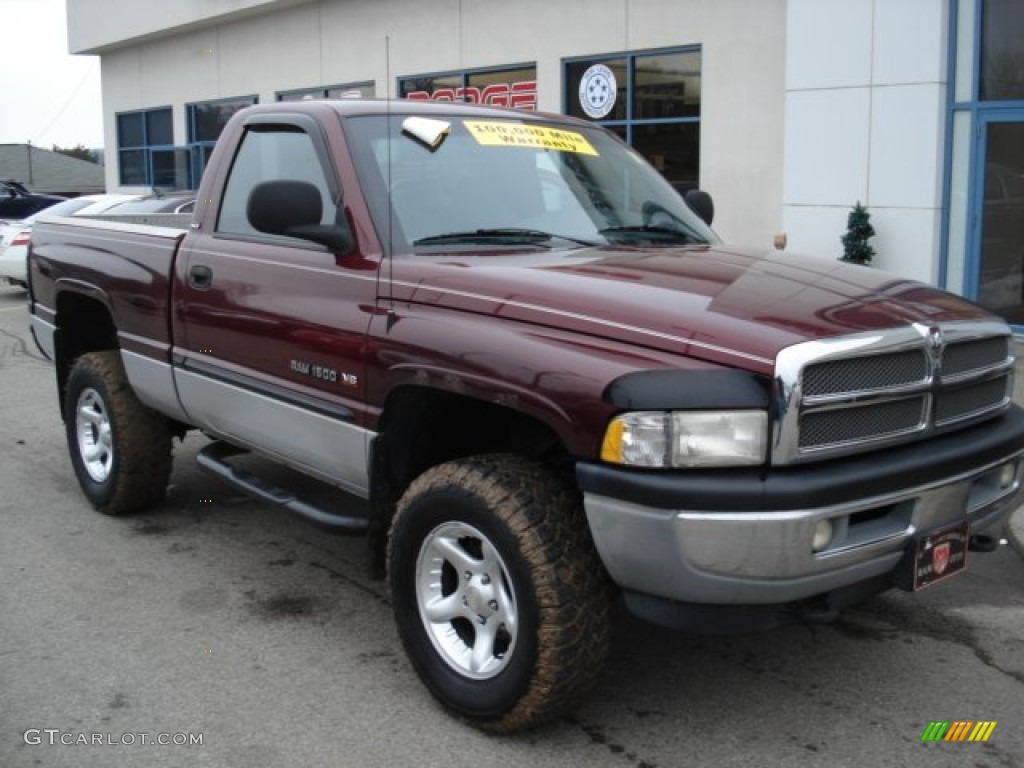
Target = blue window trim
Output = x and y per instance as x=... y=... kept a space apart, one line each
x=978 y=113
x=197 y=161
x=145 y=147
x=630 y=122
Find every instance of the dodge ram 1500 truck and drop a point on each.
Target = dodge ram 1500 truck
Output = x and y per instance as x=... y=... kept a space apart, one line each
x=550 y=380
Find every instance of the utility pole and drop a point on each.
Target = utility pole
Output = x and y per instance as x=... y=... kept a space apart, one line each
x=28 y=147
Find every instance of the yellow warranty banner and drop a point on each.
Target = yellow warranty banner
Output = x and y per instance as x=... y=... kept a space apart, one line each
x=503 y=134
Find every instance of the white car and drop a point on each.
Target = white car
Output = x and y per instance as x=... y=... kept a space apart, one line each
x=15 y=235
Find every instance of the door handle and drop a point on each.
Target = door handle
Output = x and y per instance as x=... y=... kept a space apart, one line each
x=200 y=277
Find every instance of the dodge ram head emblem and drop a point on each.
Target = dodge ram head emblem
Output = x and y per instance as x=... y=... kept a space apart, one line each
x=936 y=345
x=940 y=558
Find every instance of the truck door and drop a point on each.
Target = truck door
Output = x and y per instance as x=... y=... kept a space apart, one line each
x=270 y=329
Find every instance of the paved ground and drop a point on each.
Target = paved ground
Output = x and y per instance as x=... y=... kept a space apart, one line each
x=219 y=617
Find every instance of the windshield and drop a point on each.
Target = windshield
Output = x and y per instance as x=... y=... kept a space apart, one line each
x=65 y=208
x=480 y=181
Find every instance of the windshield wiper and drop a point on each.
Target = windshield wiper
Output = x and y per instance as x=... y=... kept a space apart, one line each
x=501 y=235
x=647 y=232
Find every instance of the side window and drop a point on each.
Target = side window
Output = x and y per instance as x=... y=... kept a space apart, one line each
x=268 y=155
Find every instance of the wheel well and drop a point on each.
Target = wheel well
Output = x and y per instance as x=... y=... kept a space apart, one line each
x=421 y=428
x=84 y=325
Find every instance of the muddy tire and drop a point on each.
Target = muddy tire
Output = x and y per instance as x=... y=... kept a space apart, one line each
x=120 y=449
x=499 y=596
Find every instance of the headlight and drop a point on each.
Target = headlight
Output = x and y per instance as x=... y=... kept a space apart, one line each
x=687 y=439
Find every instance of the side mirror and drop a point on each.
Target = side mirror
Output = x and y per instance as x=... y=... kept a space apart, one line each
x=700 y=202
x=293 y=209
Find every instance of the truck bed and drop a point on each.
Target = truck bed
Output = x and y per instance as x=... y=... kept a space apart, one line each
x=131 y=259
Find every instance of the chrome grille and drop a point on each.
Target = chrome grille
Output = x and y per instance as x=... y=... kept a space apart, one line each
x=866 y=374
x=820 y=429
x=965 y=402
x=856 y=393
x=974 y=355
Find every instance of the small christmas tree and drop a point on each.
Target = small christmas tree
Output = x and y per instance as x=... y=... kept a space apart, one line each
x=858 y=232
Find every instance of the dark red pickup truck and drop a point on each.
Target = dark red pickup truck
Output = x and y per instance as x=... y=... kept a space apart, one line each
x=551 y=381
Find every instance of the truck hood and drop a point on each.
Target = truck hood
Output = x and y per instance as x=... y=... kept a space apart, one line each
x=721 y=304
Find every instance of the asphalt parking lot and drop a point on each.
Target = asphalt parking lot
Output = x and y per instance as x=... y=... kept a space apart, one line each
x=220 y=618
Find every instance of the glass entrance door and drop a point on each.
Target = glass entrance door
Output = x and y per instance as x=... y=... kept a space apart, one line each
x=999 y=214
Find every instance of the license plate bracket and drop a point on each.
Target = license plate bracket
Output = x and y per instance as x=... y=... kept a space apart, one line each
x=937 y=555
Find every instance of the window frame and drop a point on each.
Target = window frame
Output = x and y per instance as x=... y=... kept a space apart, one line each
x=146 y=147
x=628 y=126
x=464 y=76
x=282 y=123
x=324 y=91
x=200 y=149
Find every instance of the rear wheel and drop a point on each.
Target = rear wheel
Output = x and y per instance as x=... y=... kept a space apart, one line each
x=500 y=599
x=120 y=449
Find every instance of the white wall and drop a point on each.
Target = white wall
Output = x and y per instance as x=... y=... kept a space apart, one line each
x=307 y=44
x=98 y=25
x=864 y=121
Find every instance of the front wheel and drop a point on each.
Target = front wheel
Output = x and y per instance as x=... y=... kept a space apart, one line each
x=500 y=599
x=120 y=449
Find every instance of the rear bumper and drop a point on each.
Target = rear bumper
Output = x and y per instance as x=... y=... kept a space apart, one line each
x=741 y=537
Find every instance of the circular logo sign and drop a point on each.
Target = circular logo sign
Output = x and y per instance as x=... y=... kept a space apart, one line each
x=598 y=91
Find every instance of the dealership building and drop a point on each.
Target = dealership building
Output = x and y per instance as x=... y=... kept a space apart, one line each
x=787 y=111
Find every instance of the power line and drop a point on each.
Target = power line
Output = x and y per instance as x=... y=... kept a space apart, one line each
x=67 y=104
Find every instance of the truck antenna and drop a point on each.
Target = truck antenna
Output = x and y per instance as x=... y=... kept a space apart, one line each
x=390 y=250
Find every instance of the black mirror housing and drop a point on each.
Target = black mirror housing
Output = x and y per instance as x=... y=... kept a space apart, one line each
x=293 y=209
x=700 y=202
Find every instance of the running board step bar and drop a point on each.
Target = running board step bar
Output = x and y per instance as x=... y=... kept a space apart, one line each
x=213 y=459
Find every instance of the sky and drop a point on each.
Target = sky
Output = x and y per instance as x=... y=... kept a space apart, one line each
x=47 y=96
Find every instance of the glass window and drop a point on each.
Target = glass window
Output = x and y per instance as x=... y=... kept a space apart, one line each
x=66 y=208
x=506 y=87
x=430 y=87
x=132 y=165
x=267 y=155
x=207 y=119
x=667 y=86
x=131 y=131
x=1001 y=278
x=1002 y=55
x=351 y=91
x=170 y=168
x=651 y=99
x=354 y=91
x=596 y=90
x=514 y=183
x=159 y=127
x=503 y=88
x=138 y=133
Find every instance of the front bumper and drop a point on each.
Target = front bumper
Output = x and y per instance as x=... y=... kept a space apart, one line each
x=745 y=537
